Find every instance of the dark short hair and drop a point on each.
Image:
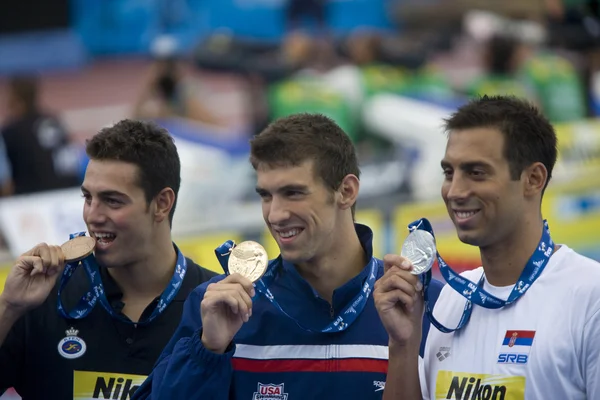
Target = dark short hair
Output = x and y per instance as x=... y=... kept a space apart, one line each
x=25 y=89
x=146 y=145
x=294 y=139
x=528 y=135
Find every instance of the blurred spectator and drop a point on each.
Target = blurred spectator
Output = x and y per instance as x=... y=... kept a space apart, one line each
x=37 y=145
x=574 y=24
x=168 y=92
x=521 y=68
x=296 y=10
x=502 y=58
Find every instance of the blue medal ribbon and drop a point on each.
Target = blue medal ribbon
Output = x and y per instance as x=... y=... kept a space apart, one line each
x=96 y=293
x=474 y=292
x=341 y=322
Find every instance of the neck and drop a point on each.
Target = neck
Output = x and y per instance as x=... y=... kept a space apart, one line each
x=148 y=277
x=504 y=262
x=344 y=260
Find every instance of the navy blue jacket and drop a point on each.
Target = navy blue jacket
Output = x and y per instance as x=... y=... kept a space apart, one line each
x=271 y=357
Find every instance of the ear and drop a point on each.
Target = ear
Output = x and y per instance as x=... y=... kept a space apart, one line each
x=348 y=191
x=535 y=177
x=164 y=201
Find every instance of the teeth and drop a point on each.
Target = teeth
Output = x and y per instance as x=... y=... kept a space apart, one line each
x=104 y=235
x=465 y=214
x=289 y=234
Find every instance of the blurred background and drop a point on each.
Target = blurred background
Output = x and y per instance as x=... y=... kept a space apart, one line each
x=215 y=72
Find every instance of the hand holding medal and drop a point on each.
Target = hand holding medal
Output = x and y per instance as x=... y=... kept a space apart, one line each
x=35 y=272
x=227 y=304
x=397 y=294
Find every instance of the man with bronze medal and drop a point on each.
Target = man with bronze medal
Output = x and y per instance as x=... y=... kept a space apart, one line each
x=525 y=325
x=89 y=319
x=301 y=325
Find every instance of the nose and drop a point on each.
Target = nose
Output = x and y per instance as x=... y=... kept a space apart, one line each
x=93 y=213
x=276 y=211
x=456 y=189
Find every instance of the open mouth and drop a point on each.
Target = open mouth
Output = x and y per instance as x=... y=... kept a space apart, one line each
x=104 y=239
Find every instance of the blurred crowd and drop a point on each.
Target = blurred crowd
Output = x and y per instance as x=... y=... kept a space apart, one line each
x=442 y=53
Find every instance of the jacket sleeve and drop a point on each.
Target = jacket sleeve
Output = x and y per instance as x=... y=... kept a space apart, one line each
x=185 y=369
x=434 y=289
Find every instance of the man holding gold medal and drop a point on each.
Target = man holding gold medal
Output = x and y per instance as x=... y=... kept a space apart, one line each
x=303 y=325
x=525 y=325
x=57 y=341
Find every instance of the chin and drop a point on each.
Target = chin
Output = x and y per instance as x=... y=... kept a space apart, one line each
x=293 y=257
x=470 y=238
x=106 y=262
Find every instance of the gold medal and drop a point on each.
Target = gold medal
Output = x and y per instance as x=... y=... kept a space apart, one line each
x=78 y=248
x=248 y=259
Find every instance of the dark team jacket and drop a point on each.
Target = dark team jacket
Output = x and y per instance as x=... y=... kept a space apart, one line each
x=46 y=356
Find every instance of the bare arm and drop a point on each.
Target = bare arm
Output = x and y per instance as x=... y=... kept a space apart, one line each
x=402 y=382
x=8 y=317
x=399 y=302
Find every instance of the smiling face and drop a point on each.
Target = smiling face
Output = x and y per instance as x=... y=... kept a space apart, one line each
x=484 y=203
x=116 y=213
x=301 y=213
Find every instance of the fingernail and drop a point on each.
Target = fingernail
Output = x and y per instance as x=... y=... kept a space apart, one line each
x=246 y=318
x=419 y=286
x=252 y=293
x=250 y=312
x=405 y=265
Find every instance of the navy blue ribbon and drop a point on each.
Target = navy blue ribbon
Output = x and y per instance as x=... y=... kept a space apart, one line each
x=474 y=292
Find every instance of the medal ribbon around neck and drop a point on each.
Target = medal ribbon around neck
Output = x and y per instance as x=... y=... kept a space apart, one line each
x=96 y=292
x=474 y=292
x=340 y=323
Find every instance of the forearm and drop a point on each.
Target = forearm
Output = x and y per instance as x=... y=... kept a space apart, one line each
x=402 y=382
x=8 y=317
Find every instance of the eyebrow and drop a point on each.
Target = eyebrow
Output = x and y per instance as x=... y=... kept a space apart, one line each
x=106 y=193
x=286 y=188
x=467 y=166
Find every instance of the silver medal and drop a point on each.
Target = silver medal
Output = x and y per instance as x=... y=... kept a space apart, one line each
x=419 y=248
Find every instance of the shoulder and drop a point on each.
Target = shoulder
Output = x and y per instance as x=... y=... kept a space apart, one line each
x=200 y=289
x=434 y=289
x=198 y=273
x=581 y=274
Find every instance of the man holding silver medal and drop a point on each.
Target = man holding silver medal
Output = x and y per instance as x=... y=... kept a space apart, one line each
x=525 y=325
x=95 y=329
x=303 y=325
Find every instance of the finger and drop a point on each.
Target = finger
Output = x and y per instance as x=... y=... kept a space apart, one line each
x=216 y=298
x=244 y=310
x=58 y=261
x=239 y=279
x=392 y=298
x=32 y=265
x=415 y=280
x=54 y=257
x=397 y=282
x=239 y=290
x=390 y=260
x=43 y=252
